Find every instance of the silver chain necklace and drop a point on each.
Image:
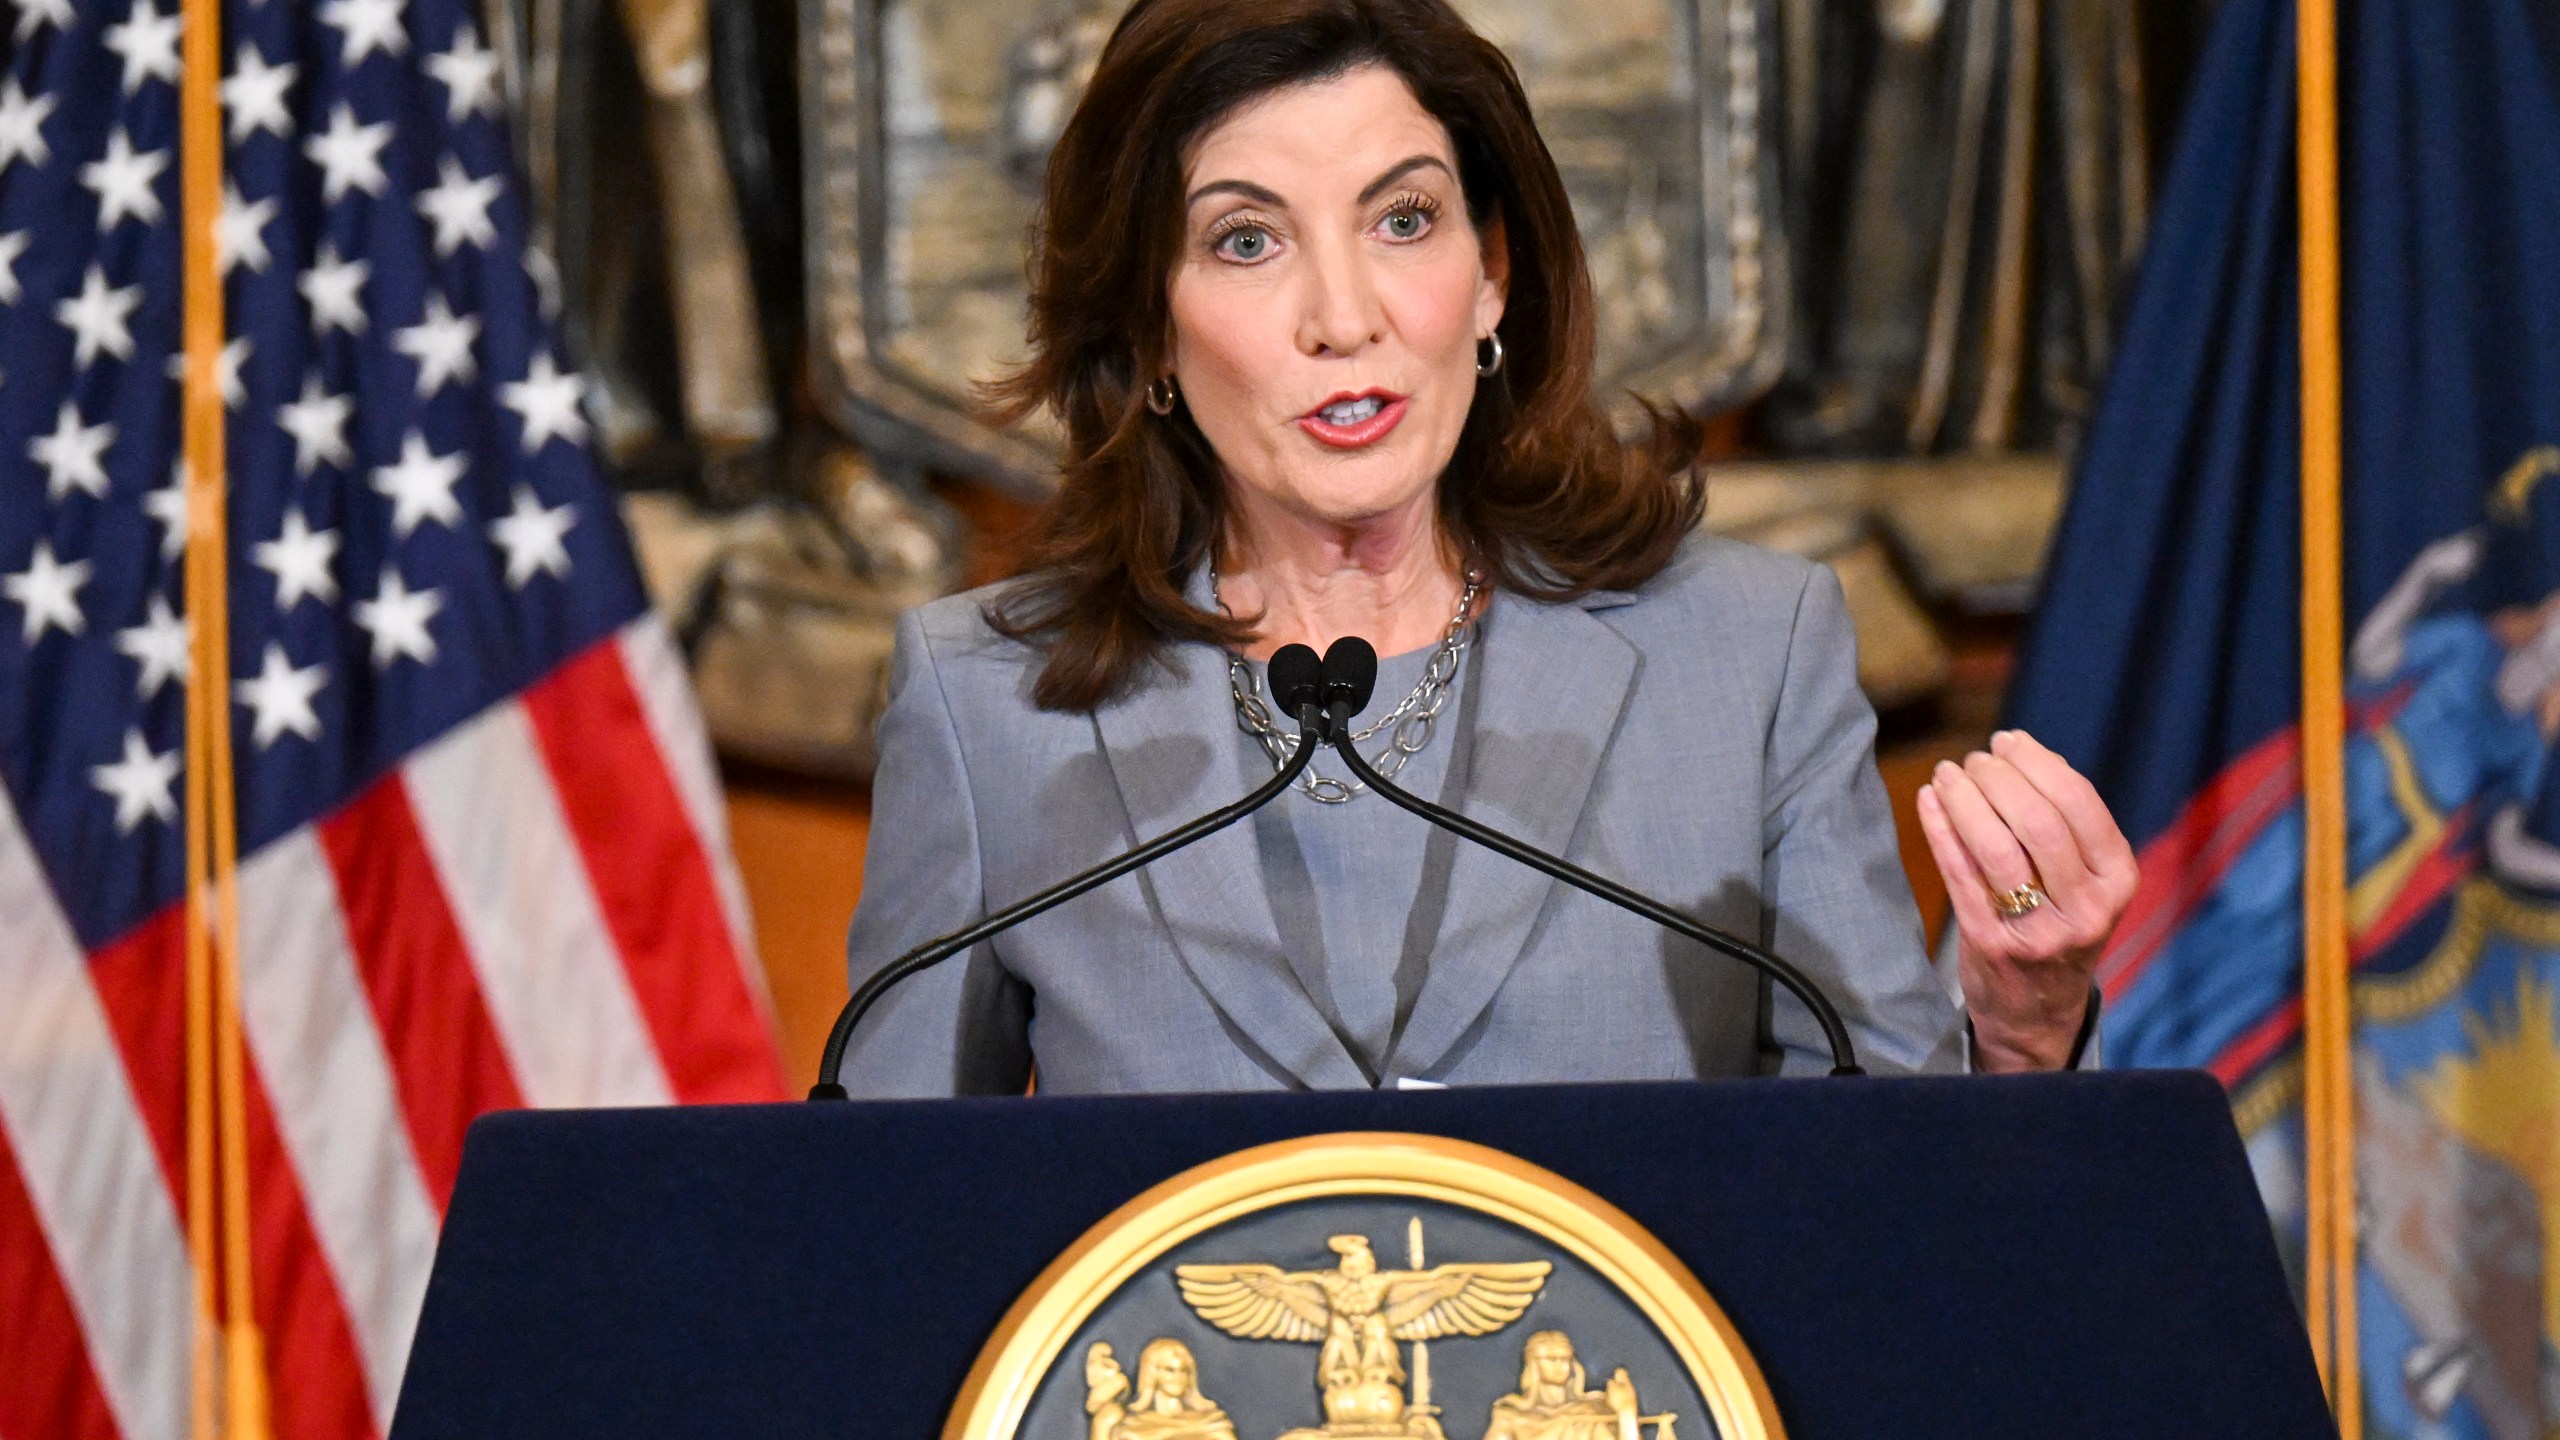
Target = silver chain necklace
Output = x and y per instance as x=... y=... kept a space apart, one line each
x=1411 y=721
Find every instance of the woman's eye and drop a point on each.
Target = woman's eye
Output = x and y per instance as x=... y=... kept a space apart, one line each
x=1246 y=243
x=1407 y=224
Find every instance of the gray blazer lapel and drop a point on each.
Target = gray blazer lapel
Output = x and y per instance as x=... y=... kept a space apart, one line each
x=1171 y=750
x=1553 y=682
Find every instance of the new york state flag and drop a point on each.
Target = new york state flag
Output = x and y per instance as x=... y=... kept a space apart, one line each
x=2166 y=661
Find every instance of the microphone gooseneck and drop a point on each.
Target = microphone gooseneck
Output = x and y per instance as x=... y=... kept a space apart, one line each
x=1295 y=676
x=1351 y=672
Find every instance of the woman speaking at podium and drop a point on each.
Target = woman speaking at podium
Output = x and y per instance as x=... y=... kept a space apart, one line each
x=1308 y=298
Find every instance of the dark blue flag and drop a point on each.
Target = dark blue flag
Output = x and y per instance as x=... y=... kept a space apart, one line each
x=2166 y=660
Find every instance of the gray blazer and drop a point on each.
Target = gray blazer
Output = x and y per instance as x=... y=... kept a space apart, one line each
x=1701 y=738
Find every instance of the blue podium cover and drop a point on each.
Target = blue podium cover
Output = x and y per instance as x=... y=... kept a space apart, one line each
x=1997 y=1259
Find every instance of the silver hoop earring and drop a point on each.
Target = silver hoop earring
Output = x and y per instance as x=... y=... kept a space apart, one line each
x=1160 y=394
x=1489 y=362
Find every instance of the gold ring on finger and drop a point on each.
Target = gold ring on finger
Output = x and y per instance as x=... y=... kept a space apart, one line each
x=2015 y=904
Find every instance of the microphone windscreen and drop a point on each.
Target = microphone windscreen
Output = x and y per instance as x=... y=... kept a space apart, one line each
x=1297 y=680
x=1350 y=673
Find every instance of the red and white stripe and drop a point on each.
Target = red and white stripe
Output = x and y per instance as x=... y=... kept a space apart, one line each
x=539 y=908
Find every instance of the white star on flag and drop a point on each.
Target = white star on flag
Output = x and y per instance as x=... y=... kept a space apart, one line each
x=396 y=617
x=470 y=76
x=547 y=401
x=148 y=41
x=329 y=287
x=239 y=231
x=299 y=558
x=459 y=207
x=441 y=344
x=12 y=245
x=123 y=180
x=227 y=365
x=254 y=94
x=159 y=645
x=318 y=424
x=281 y=697
x=22 y=126
x=72 y=455
x=139 y=783
x=531 y=537
x=98 y=318
x=420 y=486
x=366 y=26
x=34 y=15
x=168 y=507
x=50 y=591
x=349 y=155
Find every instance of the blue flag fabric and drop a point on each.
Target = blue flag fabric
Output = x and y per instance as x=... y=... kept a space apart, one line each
x=2165 y=661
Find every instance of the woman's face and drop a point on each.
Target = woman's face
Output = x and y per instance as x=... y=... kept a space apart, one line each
x=1329 y=298
x=1554 y=1363
x=1171 y=1380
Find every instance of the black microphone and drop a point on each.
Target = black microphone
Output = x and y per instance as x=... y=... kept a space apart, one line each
x=1295 y=684
x=1351 y=672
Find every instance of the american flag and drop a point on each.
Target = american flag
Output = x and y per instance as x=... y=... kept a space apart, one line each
x=484 y=862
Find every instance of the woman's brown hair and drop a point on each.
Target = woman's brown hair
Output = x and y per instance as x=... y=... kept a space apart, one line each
x=1539 y=496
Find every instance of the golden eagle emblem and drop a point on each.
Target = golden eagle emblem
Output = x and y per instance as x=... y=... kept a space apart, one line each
x=1360 y=1312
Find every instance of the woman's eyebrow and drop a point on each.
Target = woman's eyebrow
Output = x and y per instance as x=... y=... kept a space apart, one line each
x=1245 y=188
x=1398 y=171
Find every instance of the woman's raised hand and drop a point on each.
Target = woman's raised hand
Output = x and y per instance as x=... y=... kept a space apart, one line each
x=2038 y=875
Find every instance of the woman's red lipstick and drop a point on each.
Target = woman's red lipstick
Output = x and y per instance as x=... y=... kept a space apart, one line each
x=1389 y=414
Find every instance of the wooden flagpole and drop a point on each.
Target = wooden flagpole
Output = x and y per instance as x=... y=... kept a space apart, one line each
x=2329 y=1165
x=217 y=1068
x=206 y=670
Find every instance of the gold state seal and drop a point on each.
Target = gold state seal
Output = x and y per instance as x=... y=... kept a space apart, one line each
x=1372 y=1328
